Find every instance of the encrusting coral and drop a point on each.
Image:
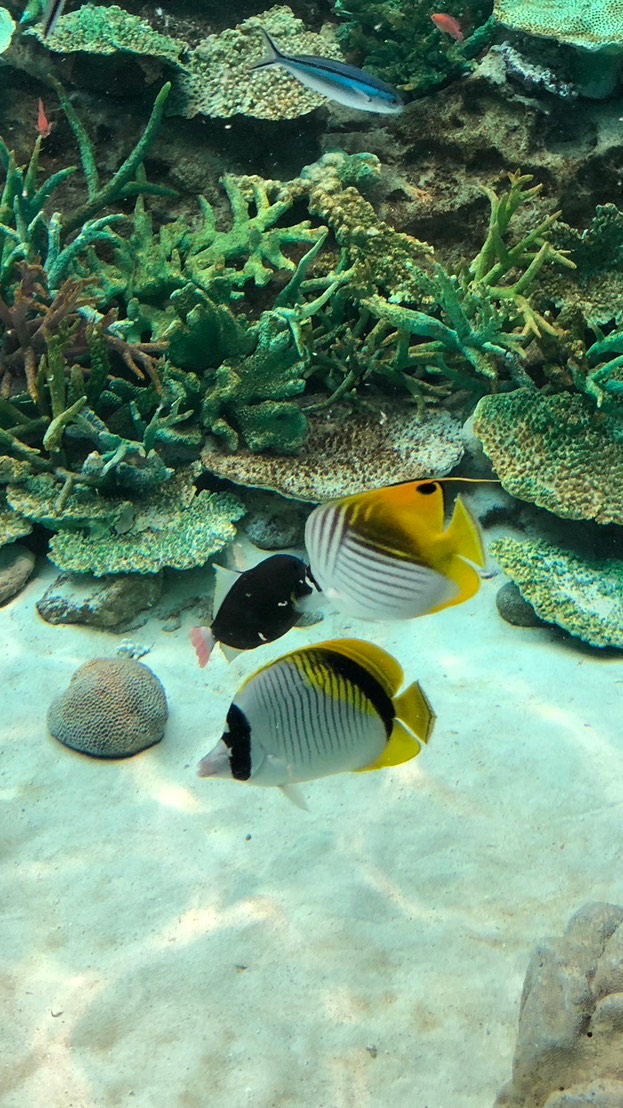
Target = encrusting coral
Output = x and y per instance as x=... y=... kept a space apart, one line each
x=556 y=451
x=582 y=595
x=112 y=708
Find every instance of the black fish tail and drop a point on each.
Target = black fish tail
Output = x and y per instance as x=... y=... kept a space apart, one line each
x=274 y=55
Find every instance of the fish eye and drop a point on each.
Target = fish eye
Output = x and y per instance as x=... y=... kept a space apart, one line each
x=428 y=488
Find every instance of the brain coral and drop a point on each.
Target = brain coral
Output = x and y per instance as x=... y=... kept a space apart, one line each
x=112 y=708
x=584 y=597
x=555 y=451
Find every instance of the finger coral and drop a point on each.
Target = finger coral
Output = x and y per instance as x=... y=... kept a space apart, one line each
x=112 y=708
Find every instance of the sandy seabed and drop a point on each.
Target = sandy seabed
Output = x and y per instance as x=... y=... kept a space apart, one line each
x=168 y=941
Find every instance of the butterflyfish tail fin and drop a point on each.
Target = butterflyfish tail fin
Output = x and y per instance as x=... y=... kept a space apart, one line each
x=464 y=533
x=273 y=53
x=413 y=726
x=413 y=708
x=204 y=642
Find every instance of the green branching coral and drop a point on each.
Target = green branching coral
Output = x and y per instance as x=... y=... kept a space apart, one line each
x=28 y=232
x=396 y=40
x=250 y=400
x=472 y=328
x=584 y=596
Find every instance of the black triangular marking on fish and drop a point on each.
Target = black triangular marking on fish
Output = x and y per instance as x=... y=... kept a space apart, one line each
x=358 y=675
x=238 y=739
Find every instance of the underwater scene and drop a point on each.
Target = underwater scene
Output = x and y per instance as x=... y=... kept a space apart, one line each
x=311 y=554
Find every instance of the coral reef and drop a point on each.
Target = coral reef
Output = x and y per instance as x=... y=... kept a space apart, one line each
x=112 y=708
x=398 y=42
x=594 y=30
x=583 y=595
x=568 y=1051
x=346 y=453
x=555 y=451
x=175 y=526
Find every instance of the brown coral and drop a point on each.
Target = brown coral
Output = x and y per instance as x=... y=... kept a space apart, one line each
x=112 y=708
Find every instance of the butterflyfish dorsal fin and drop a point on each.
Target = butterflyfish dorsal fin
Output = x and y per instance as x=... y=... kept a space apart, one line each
x=224 y=579
x=464 y=533
x=385 y=670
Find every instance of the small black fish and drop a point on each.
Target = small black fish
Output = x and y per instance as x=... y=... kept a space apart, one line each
x=253 y=607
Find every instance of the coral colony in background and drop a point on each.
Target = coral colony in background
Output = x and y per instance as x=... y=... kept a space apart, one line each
x=214 y=279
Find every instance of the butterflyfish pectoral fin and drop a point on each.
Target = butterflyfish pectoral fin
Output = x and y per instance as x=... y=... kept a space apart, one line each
x=464 y=533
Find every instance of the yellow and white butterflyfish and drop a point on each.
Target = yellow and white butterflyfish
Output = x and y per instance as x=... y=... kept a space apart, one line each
x=388 y=554
x=330 y=708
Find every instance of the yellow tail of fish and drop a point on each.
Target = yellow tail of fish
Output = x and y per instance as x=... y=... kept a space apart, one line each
x=413 y=726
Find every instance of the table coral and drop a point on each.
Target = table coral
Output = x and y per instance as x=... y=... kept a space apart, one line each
x=175 y=526
x=346 y=453
x=112 y=708
x=593 y=27
x=556 y=451
x=583 y=596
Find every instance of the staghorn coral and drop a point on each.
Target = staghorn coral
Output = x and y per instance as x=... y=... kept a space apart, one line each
x=556 y=451
x=582 y=595
x=112 y=708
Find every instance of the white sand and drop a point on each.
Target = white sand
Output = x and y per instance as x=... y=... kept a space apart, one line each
x=168 y=941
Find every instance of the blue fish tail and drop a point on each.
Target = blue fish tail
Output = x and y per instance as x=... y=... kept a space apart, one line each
x=274 y=55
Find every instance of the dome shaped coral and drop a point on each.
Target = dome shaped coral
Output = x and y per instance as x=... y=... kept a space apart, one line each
x=112 y=708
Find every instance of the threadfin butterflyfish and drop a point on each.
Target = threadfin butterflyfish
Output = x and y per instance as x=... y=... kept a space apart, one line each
x=253 y=607
x=330 y=708
x=388 y=554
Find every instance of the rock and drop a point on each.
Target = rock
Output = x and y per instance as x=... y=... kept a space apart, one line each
x=112 y=708
x=16 y=565
x=110 y=602
x=569 y=1049
x=514 y=609
x=276 y=523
